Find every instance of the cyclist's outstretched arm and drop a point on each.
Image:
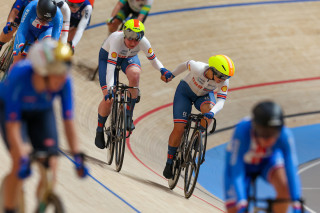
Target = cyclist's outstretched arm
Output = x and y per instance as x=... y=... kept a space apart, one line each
x=57 y=25
x=291 y=164
x=235 y=184
x=86 y=14
x=65 y=10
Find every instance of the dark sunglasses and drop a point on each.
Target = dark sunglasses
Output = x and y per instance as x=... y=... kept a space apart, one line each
x=266 y=133
x=219 y=74
x=74 y=5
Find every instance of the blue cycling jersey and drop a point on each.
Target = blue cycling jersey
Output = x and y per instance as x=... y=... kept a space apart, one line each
x=31 y=28
x=246 y=158
x=18 y=94
x=21 y=4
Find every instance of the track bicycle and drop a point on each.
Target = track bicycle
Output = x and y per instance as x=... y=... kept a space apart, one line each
x=190 y=154
x=117 y=130
x=257 y=205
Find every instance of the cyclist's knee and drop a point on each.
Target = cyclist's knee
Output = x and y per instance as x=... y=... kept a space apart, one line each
x=279 y=182
x=205 y=108
x=133 y=75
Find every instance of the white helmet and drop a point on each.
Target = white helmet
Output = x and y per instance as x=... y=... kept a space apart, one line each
x=49 y=57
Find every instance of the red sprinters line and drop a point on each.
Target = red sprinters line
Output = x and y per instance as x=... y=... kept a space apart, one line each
x=136 y=121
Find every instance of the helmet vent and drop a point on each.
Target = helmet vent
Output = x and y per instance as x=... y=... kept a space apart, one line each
x=224 y=68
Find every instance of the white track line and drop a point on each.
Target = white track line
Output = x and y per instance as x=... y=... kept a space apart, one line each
x=302 y=170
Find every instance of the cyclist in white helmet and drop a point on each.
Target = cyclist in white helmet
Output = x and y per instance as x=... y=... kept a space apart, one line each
x=26 y=109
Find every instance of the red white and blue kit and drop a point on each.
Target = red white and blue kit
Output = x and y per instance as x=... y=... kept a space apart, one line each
x=114 y=52
x=197 y=89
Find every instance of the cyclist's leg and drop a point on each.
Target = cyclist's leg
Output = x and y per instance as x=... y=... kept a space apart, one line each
x=17 y=55
x=132 y=69
x=43 y=136
x=182 y=105
x=120 y=17
x=205 y=104
x=11 y=183
x=104 y=108
x=274 y=173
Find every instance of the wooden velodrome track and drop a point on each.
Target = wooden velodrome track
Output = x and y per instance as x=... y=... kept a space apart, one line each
x=272 y=42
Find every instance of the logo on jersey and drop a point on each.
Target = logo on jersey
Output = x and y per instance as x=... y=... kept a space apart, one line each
x=114 y=55
x=189 y=67
x=224 y=88
x=196 y=83
x=150 y=50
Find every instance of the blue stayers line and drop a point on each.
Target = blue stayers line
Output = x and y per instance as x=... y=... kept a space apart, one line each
x=136 y=210
x=214 y=7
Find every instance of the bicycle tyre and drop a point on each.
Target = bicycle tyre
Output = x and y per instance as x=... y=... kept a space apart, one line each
x=193 y=164
x=172 y=182
x=110 y=149
x=121 y=131
x=53 y=202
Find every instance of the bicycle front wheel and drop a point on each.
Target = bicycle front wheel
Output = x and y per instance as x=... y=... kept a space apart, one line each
x=176 y=167
x=110 y=147
x=121 y=131
x=53 y=204
x=193 y=164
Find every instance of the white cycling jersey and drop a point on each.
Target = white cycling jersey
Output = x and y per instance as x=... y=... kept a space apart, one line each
x=200 y=84
x=65 y=10
x=116 y=48
x=85 y=17
x=137 y=5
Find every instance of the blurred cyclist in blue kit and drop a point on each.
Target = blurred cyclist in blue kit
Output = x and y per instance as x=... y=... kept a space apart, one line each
x=26 y=111
x=262 y=146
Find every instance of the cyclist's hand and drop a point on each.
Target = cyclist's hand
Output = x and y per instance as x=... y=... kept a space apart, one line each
x=25 y=168
x=7 y=28
x=82 y=170
x=110 y=95
x=71 y=46
x=110 y=20
x=209 y=115
x=166 y=75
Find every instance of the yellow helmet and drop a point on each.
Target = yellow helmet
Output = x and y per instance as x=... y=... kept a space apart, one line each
x=49 y=57
x=133 y=29
x=223 y=64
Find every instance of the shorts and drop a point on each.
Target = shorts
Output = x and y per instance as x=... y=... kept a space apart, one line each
x=126 y=11
x=38 y=127
x=183 y=100
x=123 y=62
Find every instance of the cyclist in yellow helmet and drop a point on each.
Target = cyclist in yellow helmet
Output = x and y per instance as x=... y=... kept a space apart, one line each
x=197 y=88
x=121 y=49
x=26 y=109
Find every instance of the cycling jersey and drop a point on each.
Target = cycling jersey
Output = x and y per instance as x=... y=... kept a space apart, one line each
x=19 y=4
x=31 y=28
x=245 y=158
x=80 y=20
x=65 y=10
x=200 y=85
x=19 y=95
x=116 y=49
x=139 y=6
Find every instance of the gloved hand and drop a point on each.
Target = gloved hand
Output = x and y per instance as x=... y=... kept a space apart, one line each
x=209 y=115
x=110 y=20
x=25 y=168
x=110 y=95
x=7 y=28
x=82 y=170
x=166 y=73
x=71 y=46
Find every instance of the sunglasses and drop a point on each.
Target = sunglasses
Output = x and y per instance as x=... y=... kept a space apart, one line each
x=130 y=35
x=74 y=5
x=219 y=74
x=265 y=132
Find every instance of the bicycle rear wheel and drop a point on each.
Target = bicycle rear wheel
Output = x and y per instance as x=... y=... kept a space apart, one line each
x=121 y=131
x=192 y=164
x=53 y=204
